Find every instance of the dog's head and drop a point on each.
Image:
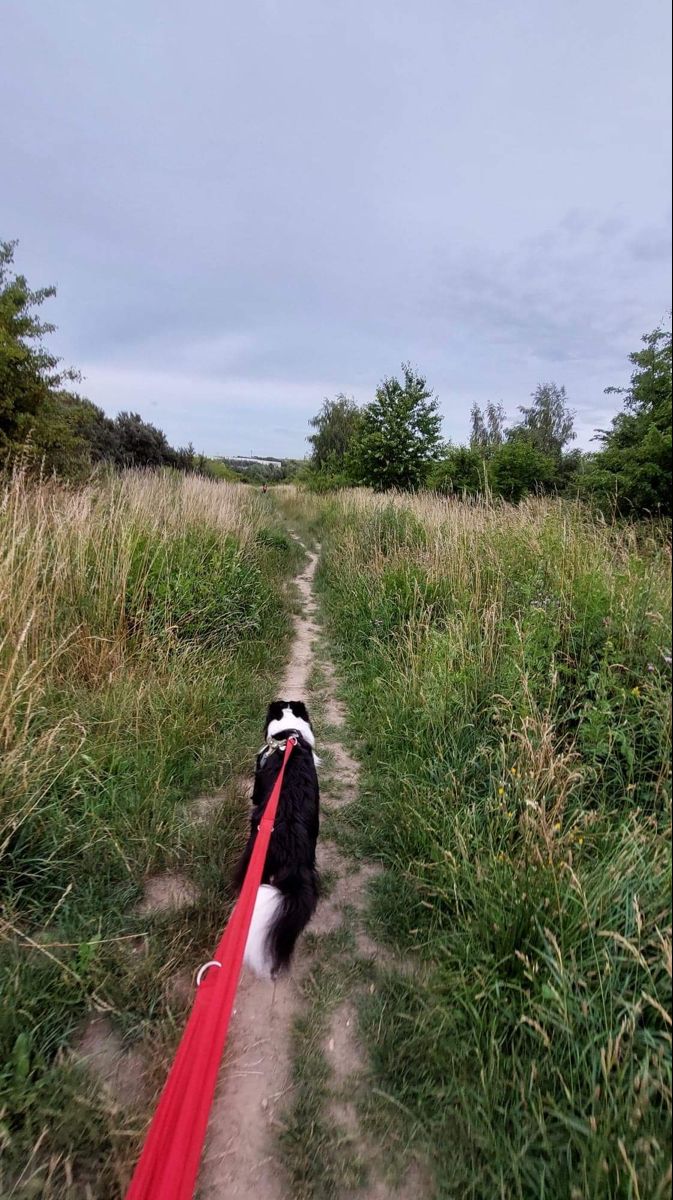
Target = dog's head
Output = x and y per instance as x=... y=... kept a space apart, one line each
x=289 y=716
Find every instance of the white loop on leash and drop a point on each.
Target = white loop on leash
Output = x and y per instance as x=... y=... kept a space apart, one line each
x=202 y=970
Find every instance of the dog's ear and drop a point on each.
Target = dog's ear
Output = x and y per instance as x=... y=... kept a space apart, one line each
x=274 y=712
x=300 y=710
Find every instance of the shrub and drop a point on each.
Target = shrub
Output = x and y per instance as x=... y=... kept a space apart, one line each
x=633 y=471
x=517 y=469
x=462 y=471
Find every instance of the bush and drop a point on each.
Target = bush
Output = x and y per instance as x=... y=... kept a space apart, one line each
x=322 y=482
x=517 y=469
x=632 y=474
x=462 y=471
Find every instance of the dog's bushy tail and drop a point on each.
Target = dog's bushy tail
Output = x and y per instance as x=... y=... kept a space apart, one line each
x=300 y=892
x=279 y=916
x=268 y=908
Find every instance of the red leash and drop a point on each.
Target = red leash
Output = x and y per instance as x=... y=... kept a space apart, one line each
x=169 y=1163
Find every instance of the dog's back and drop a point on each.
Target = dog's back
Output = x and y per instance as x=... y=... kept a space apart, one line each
x=288 y=896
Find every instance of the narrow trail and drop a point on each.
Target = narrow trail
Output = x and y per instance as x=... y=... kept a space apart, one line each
x=239 y=1159
x=255 y=1085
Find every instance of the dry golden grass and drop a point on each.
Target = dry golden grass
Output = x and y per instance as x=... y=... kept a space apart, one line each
x=141 y=620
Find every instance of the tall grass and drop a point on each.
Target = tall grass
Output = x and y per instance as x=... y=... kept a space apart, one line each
x=509 y=678
x=140 y=623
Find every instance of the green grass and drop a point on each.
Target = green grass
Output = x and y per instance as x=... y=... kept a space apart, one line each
x=508 y=678
x=140 y=626
x=319 y=1153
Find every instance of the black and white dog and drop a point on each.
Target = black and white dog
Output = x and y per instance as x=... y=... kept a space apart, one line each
x=288 y=894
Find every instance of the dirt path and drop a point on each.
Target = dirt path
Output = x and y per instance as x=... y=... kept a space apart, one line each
x=239 y=1159
x=255 y=1087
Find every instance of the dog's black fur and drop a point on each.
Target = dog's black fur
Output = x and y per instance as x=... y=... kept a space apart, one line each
x=290 y=864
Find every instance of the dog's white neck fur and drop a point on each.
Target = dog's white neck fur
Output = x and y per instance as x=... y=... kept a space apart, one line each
x=290 y=721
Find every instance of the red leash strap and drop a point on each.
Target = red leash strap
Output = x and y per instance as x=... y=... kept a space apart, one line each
x=169 y=1163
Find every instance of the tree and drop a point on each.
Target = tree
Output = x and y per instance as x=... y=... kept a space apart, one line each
x=42 y=421
x=186 y=458
x=399 y=434
x=98 y=431
x=633 y=471
x=478 y=430
x=142 y=444
x=336 y=427
x=548 y=423
x=488 y=428
x=34 y=401
x=461 y=471
x=518 y=468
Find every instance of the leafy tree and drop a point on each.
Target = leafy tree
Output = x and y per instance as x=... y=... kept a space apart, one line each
x=218 y=469
x=99 y=431
x=186 y=458
x=461 y=471
x=141 y=443
x=34 y=400
x=633 y=471
x=548 y=423
x=478 y=431
x=399 y=434
x=518 y=468
x=44 y=422
x=336 y=427
x=488 y=428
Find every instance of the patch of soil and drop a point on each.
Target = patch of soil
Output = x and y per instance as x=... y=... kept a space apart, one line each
x=239 y=1159
x=167 y=892
x=203 y=808
x=121 y=1071
x=340 y=1044
x=179 y=988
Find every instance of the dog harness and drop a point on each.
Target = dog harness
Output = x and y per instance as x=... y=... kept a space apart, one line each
x=273 y=744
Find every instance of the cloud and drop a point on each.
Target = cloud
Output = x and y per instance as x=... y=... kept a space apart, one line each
x=274 y=203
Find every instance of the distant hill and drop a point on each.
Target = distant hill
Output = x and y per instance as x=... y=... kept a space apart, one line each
x=256 y=468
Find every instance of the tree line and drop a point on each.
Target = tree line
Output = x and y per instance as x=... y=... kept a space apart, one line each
x=396 y=442
x=43 y=420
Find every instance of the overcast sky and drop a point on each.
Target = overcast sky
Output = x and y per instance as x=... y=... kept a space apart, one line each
x=248 y=207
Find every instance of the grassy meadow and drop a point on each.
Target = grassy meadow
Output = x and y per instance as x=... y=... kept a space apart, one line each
x=507 y=676
x=141 y=619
